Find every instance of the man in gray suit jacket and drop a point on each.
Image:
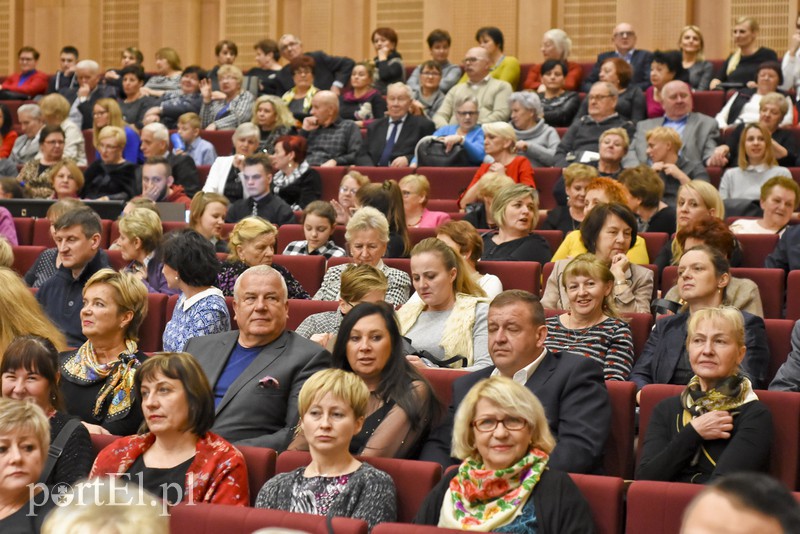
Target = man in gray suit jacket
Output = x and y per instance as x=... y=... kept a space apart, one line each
x=699 y=132
x=256 y=373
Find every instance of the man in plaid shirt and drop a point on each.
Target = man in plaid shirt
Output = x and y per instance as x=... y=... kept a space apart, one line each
x=331 y=140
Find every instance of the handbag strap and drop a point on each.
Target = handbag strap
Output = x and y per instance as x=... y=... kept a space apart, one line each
x=57 y=447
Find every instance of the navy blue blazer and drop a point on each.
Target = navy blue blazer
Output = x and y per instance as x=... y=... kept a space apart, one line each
x=414 y=129
x=575 y=399
x=640 y=62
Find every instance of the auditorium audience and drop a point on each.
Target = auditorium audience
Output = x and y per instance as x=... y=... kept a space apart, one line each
x=388 y=61
x=507 y=480
x=591 y=325
x=22 y=314
x=230 y=106
x=7 y=136
x=480 y=215
x=55 y=112
x=360 y=101
x=67 y=180
x=139 y=243
x=665 y=67
x=48 y=262
x=29 y=371
x=207 y=215
x=466 y=242
x=331 y=140
x=97 y=378
x=190 y=266
x=613 y=145
x=298 y=97
x=26 y=147
x=743 y=106
x=556 y=46
x=560 y=106
x=331 y=72
x=294 y=180
x=780 y=197
x=36 y=174
x=334 y=484
x=155 y=143
x=194 y=146
x=177 y=456
x=784 y=256
x=168 y=73
x=515 y=209
x=741 y=67
x=416 y=189
x=428 y=95
x=624 y=40
x=28 y=82
x=108 y=113
x=129 y=56
x=439 y=42
x=319 y=219
x=568 y=218
x=225 y=51
x=111 y=177
x=646 y=190
x=536 y=140
x=504 y=67
x=717 y=425
x=273 y=119
x=256 y=176
x=693 y=61
x=158 y=185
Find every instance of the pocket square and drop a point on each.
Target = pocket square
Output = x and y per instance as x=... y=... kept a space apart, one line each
x=269 y=382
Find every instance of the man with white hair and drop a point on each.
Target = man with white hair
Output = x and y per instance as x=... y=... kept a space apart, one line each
x=624 y=39
x=391 y=140
x=88 y=92
x=155 y=144
x=330 y=72
x=331 y=140
x=27 y=144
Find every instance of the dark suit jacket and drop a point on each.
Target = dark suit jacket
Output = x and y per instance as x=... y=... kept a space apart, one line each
x=786 y=255
x=184 y=171
x=640 y=62
x=87 y=108
x=327 y=69
x=575 y=400
x=700 y=137
x=250 y=414
x=414 y=129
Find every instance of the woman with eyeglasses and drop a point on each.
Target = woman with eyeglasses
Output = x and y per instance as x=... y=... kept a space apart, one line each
x=111 y=177
x=345 y=202
x=466 y=134
x=36 y=175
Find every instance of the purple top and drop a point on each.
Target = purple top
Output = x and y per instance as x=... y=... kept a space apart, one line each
x=432 y=219
x=7 y=228
x=654 y=109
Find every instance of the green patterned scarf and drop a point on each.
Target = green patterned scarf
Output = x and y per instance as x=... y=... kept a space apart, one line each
x=727 y=395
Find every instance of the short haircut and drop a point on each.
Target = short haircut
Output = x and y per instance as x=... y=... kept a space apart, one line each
x=666 y=134
x=283 y=116
x=367 y=218
x=439 y=36
x=73 y=169
x=10 y=185
x=269 y=48
x=69 y=49
x=30 y=49
x=22 y=416
x=226 y=43
x=160 y=160
x=404 y=87
x=561 y=41
x=171 y=56
x=773 y=99
x=466 y=99
x=430 y=65
x=261 y=270
x=774 y=66
x=718 y=260
x=246 y=130
x=302 y=62
x=59 y=208
x=320 y=208
x=528 y=100
x=550 y=64
x=159 y=131
x=54 y=106
x=491 y=183
x=113 y=132
x=511 y=193
x=245 y=231
x=513 y=399
x=49 y=130
x=784 y=182
x=191 y=118
x=135 y=52
x=85 y=217
x=259 y=159
x=620 y=132
x=579 y=172
x=596 y=219
x=614 y=190
x=144 y=203
x=358 y=280
x=35 y=354
x=192 y=256
x=89 y=65
x=711 y=231
x=727 y=314
x=502 y=130
x=33 y=110
x=359 y=178
x=519 y=296
x=136 y=70
x=465 y=236
x=623 y=70
x=231 y=70
x=183 y=367
x=387 y=33
x=672 y=59
x=294 y=143
x=200 y=202
x=345 y=386
x=588 y=265
x=130 y=295
x=419 y=183
x=769 y=154
x=197 y=70
x=6 y=253
x=143 y=224
x=493 y=33
x=644 y=184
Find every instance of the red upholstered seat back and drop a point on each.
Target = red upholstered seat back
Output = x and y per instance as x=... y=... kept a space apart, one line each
x=618 y=454
x=25 y=257
x=442 y=382
x=657 y=507
x=152 y=328
x=523 y=275
x=300 y=309
x=604 y=495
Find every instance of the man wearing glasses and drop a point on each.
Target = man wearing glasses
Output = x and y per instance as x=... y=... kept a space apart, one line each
x=28 y=82
x=330 y=72
x=492 y=94
x=624 y=39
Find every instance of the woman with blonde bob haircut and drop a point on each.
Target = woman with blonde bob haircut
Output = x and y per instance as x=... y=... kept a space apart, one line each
x=274 y=120
x=111 y=176
x=333 y=402
x=515 y=209
x=416 y=190
x=488 y=186
x=140 y=234
x=22 y=313
x=501 y=434
x=108 y=113
x=663 y=148
x=55 y=111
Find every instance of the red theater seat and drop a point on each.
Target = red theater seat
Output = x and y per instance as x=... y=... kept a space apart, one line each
x=756 y=248
x=523 y=275
x=709 y=102
x=24 y=228
x=300 y=309
x=604 y=495
x=152 y=329
x=88 y=141
x=657 y=507
x=448 y=182
x=618 y=454
x=779 y=337
x=308 y=270
x=116 y=260
x=221 y=139
x=381 y=174
x=793 y=288
x=260 y=467
x=655 y=242
x=402 y=264
x=416 y=235
x=715 y=175
x=447 y=205
x=553 y=238
x=202 y=174
x=442 y=382
x=331 y=178
x=641 y=324
x=546 y=178
x=25 y=257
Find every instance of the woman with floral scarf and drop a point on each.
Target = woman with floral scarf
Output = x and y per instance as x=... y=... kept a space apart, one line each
x=504 y=483
x=717 y=425
x=97 y=379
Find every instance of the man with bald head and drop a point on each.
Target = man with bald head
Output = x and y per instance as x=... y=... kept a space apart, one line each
x=699 y=132
x=330 y=72
x=331 y=140
x=624 y=39
x=492 y=94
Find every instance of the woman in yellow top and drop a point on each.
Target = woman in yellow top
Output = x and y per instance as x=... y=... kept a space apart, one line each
x=504 y=67
x=601 y=191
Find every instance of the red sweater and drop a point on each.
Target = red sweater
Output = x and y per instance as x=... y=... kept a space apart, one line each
x=519 y=170
x=8 y=143
x=35 y=84
x=572 y=80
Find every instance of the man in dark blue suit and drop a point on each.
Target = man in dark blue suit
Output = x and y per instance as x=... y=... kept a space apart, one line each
x=569 y=386
x=624 y=39
x=391 y=140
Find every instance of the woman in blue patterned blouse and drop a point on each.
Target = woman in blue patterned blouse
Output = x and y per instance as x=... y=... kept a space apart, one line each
x=191 y=266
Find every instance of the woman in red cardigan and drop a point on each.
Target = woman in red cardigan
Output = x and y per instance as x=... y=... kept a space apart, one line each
x=178 y=451
x=7 y=135
x=500 y=142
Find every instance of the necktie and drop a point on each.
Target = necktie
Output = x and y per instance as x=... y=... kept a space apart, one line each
x=387 y=149
x=255 y=207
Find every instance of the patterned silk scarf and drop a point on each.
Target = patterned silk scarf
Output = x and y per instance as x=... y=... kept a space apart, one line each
x=83 y=368
x=728 y=395
x=484 y=499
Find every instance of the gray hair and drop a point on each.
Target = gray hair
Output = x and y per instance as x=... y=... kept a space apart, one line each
x=561 y=41
x=528 y=100
x=368 y=218
x=260 y=270
x=401 y=85
x=465 y=100
x=612 y=90
x=245 y=130
x=88 y=64
x=30 y=109
x=159 y=131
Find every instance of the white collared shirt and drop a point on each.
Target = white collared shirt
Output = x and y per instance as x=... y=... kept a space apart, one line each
x=399 y=126
x=523 y=375
x=188 y=303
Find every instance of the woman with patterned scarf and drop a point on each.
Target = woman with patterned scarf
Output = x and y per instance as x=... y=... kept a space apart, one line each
x=504 y=483
x=97 y=379
x=717 y=425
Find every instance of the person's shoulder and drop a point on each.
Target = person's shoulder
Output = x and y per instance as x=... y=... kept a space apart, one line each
x=499 y=85
x=373 y=474
x=210 y=339
x=301 y=345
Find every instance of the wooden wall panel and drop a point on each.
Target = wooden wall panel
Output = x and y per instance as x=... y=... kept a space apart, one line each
x=405 y=18
x=119 y=26
x=589 y=23
x=246 y=23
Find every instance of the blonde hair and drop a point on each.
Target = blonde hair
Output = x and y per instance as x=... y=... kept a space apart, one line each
x=358 y=280
x=114 y=116
x=22 y=313
x=245 y=231
x=588 y=265
x=727 y=314
x=341 y=384
x=579 y=171
x=54 y=106
x=130 y=295
x=509 y=194
x=736 y=57
x=283 y=117
x=463 y=283
x=502 y=130
x=367 y=218
x=200 y=202
x=774 y=99
x=74 y=171
x=769 y=154
x=418 y=182
x=515 y=400
x=171 y=56
x=620 y=132
x=784 y=182
x=21 y=416
x=191 y=118
x=115 y=132
x=663 y=133
x=6 y=253
x=231 y=70
x=144 y=224
x=691 y=27
x=360 y=179
x=491 y=183
x=710 y=197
